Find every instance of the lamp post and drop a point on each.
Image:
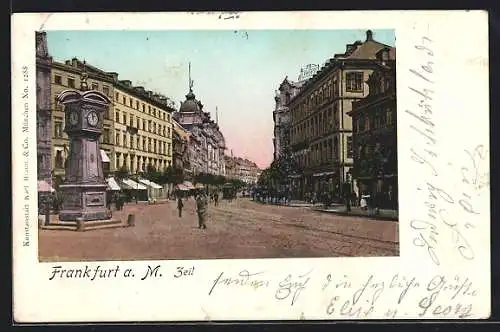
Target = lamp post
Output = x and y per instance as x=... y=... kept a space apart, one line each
x=348 y=191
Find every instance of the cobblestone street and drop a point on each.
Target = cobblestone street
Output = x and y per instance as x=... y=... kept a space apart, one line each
x=241 y=229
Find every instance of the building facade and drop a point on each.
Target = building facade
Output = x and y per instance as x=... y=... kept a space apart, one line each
x=238 y=168
x=142 y=128
x=321 y=130
x=67 y=76
x=180 y=141
x=43 y=109
x=375 y=134
x=281 y=115
x=207 y=145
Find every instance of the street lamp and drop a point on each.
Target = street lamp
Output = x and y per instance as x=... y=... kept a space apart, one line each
x=349 y=191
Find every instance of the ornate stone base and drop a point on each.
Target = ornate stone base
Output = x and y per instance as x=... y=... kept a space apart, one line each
x=85 y=202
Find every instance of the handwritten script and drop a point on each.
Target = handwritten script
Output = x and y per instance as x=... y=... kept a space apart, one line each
x=448 y=214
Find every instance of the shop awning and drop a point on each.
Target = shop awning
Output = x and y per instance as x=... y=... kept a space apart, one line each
x=104 y=156
x=188 y=185
x=43 y=186
x=134 y=185
x=112 y=184
x=150 y=184
x=181 y=187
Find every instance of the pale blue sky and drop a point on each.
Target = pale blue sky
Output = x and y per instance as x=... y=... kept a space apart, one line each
x=237 y=71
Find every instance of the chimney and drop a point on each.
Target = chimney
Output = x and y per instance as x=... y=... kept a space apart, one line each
x=369 y=35
x=67 y=62
x=74 y=62
x=114 y=75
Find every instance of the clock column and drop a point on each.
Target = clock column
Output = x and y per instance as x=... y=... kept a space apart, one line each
x=84 y=188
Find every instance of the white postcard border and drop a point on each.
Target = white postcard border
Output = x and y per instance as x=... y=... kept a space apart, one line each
x=458 y=69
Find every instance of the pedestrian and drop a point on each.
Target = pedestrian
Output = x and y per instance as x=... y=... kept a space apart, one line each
x=202 y=209
x=216 y=198
x=180 y=205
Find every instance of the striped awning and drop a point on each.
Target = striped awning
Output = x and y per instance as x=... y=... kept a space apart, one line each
x=150 y=184
x=181 y=187
x=188 y=185
x=112 y=184
x=134 y=185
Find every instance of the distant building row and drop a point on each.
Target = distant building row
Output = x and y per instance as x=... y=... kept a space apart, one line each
x=142 y=130
x=242 y=169
x=340 y=124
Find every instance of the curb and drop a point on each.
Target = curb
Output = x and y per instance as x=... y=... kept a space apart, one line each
x=351 y=214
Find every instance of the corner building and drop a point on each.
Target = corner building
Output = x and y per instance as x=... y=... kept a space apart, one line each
x=321 y=133
x=43 y=109
x=375 y=134
x=281 y=115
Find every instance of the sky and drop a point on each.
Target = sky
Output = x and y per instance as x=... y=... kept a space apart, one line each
x=236 y=71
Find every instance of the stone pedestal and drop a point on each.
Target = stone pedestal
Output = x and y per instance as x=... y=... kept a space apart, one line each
x=85 y=201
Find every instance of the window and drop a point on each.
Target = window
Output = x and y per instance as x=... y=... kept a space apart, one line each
x=58 y=79
x=59 y=159
x=124 y=100
x=117 y=139
x=349 y=146
x=71 y=82
x=106 y=135
x=168 y=149
x=58 y=128
x=354 y=82
x=117 y=96
x=131 y=120
x=137 y=104
x=124 y=139
x=154 y=111
x=124 y=118
x=389 y=116
x=117 y=116
x=130 y=102
x=143 y=108
x=149 y=109
x=95 y=86
x=131 y=141
x=57 y=106
x=105 y=90
x=168 y=117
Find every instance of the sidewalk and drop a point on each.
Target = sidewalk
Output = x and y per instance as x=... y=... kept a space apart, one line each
x=383 y=214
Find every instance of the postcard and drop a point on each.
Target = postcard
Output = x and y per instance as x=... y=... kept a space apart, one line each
x=250 y=166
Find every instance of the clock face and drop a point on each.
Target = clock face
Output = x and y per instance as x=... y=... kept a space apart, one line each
x=93 y=118
x=73 y=118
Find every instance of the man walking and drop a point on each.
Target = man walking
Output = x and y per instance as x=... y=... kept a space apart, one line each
x=180 y=205
x=216 y=198
x=202 y=209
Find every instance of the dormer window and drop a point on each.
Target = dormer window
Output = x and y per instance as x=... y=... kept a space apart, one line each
x=354 y=82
